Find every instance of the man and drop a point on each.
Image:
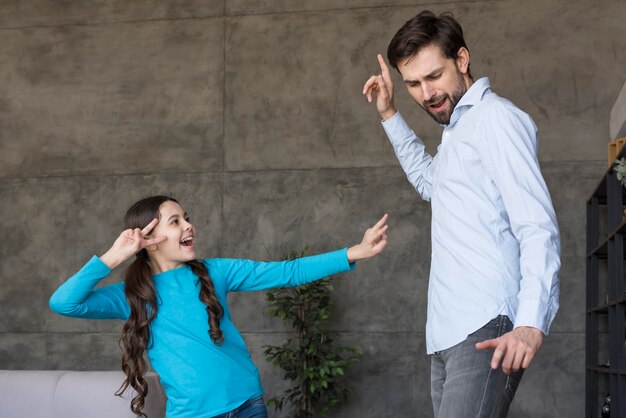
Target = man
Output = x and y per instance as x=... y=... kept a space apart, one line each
x=494 y=287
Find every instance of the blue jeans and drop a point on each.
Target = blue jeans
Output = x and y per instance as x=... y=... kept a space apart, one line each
x=252 y=408
x=463 y=385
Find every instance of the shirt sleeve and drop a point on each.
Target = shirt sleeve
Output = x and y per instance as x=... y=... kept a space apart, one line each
x=508 y=149
x=248 y=275
x=411 y=153
x=77 y=297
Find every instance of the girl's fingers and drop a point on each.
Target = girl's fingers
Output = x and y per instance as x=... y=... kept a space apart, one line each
x=381 y=244
x=152 y=241
x=146 y=230
x=382 y=221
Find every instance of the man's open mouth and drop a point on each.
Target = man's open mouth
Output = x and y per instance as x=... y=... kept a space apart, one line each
x=438 y=105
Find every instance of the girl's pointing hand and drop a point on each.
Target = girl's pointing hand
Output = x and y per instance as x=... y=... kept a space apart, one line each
x=374 y=241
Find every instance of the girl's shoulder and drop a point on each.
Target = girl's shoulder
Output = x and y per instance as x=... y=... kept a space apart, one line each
x=222 y=267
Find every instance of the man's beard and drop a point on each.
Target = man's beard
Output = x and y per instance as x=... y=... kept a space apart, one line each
x=443 y=117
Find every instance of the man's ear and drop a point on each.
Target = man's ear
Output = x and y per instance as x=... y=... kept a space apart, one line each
x=463 y=60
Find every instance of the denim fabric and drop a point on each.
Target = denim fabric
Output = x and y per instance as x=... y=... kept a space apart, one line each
x=252 y=408
x=463 y=385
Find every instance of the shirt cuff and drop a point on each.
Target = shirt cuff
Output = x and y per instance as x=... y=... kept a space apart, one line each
x=95 y=264
x=397 y=129
x=535 y=315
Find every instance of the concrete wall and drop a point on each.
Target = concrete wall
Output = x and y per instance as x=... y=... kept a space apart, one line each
x=250 y=113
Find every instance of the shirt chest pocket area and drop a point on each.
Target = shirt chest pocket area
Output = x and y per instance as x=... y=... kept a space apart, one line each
x=458 y=169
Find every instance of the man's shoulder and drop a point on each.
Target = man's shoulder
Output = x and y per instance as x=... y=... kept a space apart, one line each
x=495 y=107
x=492 y=102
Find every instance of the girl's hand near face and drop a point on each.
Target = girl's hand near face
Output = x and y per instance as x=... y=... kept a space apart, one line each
x=129 y=243
x=374 y=240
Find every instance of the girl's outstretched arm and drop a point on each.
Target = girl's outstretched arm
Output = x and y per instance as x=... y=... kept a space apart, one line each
x=248 y=275
x=78 y=298
x=374 y=241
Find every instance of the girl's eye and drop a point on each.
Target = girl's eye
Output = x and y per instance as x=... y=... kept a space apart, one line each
x=175 y=222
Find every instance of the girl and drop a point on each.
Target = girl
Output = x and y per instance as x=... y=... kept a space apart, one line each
x=170 y=300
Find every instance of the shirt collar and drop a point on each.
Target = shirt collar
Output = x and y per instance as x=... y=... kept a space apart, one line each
x=472 y=96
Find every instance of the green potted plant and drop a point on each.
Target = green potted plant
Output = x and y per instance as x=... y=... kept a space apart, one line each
x=309 y=359
x=620 y=170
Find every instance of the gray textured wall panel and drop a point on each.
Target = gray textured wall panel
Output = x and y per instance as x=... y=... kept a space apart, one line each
x=326 y=210
x=563 y=62
x=245 y=7
x=42 y=12
x=117 y=98
x=321 y=120
x=290 y=105
x=58 y=223
x=60 y=351
x=391 y=380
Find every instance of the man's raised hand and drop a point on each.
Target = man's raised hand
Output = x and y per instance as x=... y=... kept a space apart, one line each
x=382 y=87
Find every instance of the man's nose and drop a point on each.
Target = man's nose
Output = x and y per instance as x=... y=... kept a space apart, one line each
x=427 y=91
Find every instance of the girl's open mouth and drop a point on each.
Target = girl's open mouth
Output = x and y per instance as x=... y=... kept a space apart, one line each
x=187 y=242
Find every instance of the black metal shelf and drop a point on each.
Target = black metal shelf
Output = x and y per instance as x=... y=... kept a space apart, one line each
x=607 y=370
x=601 y=249
x=603 y=309
x=601 y=190
x=606 y=230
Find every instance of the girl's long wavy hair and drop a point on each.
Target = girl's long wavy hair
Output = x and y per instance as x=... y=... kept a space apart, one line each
x=142 y=298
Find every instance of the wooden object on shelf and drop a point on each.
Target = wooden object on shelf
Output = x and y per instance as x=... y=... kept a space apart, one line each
x=615 y=147
x=617 y=118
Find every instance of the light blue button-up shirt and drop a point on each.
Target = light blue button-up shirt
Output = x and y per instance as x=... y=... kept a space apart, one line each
x=495 y=239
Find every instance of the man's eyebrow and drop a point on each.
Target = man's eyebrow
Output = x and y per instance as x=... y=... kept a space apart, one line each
x=433 y=72
x=429 y=75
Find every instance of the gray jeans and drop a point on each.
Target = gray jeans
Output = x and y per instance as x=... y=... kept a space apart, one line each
x=463 y=385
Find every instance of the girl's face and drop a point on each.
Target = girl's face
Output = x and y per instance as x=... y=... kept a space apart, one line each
x=174 y=223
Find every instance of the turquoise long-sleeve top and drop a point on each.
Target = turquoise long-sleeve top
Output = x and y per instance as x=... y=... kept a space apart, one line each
x=200 y=379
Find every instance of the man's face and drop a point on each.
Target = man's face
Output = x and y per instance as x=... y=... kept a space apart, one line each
x=436 y=82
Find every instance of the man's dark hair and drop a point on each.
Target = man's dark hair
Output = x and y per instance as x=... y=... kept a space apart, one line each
x=427 y=29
